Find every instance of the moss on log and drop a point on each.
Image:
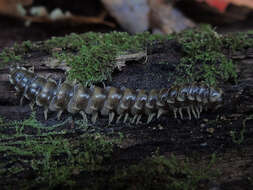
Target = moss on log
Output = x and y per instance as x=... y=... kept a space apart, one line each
x=215 y=150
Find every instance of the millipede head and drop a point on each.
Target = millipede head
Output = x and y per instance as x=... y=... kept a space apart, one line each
x=215 y=95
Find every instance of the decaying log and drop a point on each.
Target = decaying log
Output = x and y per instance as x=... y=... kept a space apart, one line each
x=212 y=133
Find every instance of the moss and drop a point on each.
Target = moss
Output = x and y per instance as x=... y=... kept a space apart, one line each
x=53 y=158
x=159 y=172
x=94 y=60
x=90 y=56
x=16 y=53
x=7 y=56
x=203 y=58
x=238 y=41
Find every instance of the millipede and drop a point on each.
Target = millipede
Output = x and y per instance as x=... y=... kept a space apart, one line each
x=123 y=103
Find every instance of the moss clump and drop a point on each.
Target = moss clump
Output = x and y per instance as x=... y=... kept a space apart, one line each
x=203 y=59
x=17 y=53
x=238 y=41
x=7 y=56
x=94 y=60
x=158 y=172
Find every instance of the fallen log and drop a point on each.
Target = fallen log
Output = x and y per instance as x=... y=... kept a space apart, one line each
x=155 y=64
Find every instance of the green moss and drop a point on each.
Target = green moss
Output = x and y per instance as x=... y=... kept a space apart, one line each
x=53 y=158
x=16 y=53
x=90 y=56
x=238 y=41
x=203 y=59
x=94 y=60
x=159 y=172
x=7 y=56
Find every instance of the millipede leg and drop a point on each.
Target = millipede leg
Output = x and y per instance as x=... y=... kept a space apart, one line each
x=160 y=112
x=138 y=119
x=180 y=113
x=10 y=79
x=45 y=113
x=59 y=114
x=175 y=112
x=111 y=116
x=118 y=119
x=84 y=116
x=198 y=112
x=133 y=120
x=31 y=105
x=200 y=108
x=21 y=100
x=193 y=111
x=189 y=112
x=74 y=82
x=31 y=69
x=48 y=76
x=125 y=118
x=150 y=117
x=94 y=117
x=59 y=83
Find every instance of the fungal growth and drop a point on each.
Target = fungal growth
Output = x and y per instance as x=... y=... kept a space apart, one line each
x=119 y=104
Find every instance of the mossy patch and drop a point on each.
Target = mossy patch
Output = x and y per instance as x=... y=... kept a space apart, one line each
x=50 y=157
x=53 y=157
x=90 y=56
x=238 y=41
x=159 y=172
x=203 y=57
x=96 y=53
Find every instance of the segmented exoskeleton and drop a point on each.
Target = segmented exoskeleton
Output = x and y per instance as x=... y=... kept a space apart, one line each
x=111 y=101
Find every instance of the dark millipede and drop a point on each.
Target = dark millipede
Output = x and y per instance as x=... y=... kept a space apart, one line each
x=110 y=101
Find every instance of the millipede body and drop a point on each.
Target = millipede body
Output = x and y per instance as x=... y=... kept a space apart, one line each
x=122 y=103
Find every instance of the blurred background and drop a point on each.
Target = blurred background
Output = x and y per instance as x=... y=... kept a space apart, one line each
x=40 y=19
